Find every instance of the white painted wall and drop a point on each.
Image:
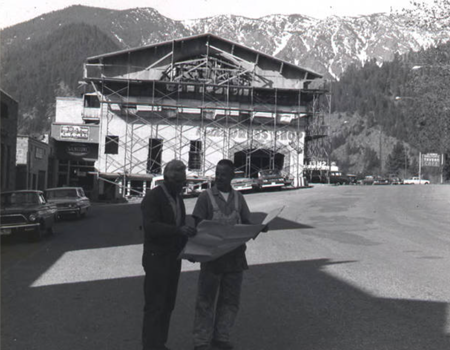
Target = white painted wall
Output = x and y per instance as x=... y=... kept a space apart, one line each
x=69 y=110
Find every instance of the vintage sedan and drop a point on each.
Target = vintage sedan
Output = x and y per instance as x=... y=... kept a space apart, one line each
x=242 y=183
x=69 y=201
x=26 y=212
x=270 y=179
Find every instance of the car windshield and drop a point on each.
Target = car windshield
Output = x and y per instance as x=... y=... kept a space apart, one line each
x=63 y=193
x=20 y=198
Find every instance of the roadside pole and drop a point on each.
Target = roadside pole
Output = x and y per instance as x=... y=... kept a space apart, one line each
x=420 y=167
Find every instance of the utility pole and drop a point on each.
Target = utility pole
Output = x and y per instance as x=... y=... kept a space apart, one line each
x=381 y=154
x=406 y=160
x=420 y=167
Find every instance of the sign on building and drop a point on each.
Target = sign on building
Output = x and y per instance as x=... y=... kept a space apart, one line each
x=74 y=132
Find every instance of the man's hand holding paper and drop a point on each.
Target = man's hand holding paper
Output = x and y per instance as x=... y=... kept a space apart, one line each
x=214 y=239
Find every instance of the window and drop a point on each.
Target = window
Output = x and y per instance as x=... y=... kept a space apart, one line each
x=195 y=155
x=91 y=101
x=112 y=145
x=39 y=153
x=4 y=110
x=154 y=156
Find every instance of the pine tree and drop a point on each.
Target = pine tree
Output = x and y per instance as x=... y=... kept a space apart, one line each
x=397 y=162
x=371 y=161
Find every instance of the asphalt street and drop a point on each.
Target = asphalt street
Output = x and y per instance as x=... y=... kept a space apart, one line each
x=342 y=268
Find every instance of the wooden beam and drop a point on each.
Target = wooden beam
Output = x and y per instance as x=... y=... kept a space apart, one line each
x=159 y=61
x=190 y=70
x=243 y=72
x=233 y=57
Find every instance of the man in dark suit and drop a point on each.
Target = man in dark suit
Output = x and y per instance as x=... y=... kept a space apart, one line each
x=166 y=234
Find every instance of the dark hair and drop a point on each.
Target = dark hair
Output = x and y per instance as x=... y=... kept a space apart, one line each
x=227 y=163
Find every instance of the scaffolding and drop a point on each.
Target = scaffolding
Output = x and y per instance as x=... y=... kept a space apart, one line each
x=201 y=109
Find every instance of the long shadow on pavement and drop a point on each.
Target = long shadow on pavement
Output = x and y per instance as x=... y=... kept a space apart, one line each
x=285 y=306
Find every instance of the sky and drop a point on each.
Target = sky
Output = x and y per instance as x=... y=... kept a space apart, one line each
x=17 y=11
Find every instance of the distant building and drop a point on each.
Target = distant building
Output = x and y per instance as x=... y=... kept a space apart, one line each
x=9 y=116
x=32 y=163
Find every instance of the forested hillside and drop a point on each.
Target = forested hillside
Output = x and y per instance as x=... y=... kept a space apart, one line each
x=55 y=71
x=401 y=104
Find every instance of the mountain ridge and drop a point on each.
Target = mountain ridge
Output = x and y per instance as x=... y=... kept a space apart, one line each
x=299 y=39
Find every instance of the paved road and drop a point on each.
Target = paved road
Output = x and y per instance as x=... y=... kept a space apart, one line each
x=345 y=268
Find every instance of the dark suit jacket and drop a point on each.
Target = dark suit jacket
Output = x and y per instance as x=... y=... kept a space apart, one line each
x=161 y=232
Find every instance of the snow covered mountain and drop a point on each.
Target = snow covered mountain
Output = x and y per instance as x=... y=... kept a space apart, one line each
x=327 y=46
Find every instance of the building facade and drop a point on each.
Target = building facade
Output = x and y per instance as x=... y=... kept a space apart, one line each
x=198 y=99
x=75 y=143
x=9 y=118
x=32 y=163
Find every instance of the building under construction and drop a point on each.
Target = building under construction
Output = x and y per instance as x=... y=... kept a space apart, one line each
x=198 y=99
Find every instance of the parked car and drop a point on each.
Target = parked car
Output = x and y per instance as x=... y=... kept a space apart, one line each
x=26 y=212
x=394 y=180
x=69 y=201
x=416 y=181
x=380 y=180
x=368 y=180
x=196 y=185
x=352 y=179
x=242 y=183
x=337 y=178
x=269 y=179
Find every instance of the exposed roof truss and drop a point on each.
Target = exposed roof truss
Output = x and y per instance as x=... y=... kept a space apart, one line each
x=209 y=70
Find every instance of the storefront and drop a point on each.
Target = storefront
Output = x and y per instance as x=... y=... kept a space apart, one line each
x=76 y=151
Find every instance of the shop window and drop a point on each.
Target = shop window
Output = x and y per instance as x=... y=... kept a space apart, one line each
x=195 y=155
x=112 y=144
x=154 y=156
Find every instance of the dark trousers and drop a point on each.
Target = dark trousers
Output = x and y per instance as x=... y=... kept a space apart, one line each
x=162 y=271
x=217 y=306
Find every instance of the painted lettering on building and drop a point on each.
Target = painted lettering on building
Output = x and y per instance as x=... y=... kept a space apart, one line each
x=256 y=134
x=77 y=149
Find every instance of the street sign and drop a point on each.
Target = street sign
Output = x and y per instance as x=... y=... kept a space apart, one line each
x=431 y=159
